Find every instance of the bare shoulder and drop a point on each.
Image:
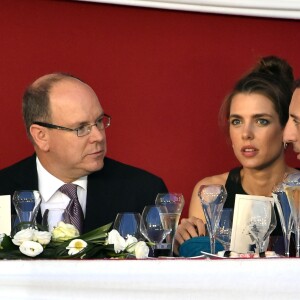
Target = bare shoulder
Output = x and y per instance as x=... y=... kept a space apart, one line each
x=215 y=179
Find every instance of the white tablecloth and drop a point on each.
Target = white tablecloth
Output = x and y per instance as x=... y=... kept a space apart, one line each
x=277 y=278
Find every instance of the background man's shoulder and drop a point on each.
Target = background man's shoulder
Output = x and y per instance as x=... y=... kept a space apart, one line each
x=119 y=171
x=19 y=176
x=26 y=164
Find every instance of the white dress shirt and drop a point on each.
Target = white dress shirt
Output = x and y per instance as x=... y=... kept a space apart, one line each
x=52 y=198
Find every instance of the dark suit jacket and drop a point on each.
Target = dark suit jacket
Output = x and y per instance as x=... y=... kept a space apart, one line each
x=116 y=188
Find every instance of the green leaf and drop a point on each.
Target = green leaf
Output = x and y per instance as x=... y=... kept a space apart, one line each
x=7 y=243
x=96 y=234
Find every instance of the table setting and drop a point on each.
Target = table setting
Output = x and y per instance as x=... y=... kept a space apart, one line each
x=122 y=275
x=132 y=235
x=245 y=232
x=242 y=232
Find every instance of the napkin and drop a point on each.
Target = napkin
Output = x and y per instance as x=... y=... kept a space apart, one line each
x=194 y=246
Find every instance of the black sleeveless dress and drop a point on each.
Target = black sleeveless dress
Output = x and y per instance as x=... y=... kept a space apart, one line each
x=233 y=186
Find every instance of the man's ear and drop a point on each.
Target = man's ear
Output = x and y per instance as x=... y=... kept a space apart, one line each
x=40 y=137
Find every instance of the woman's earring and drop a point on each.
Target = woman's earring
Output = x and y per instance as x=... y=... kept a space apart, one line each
x=285 y=145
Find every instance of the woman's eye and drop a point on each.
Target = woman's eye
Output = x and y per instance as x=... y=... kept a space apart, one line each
x=235 y=122
x=263 y=122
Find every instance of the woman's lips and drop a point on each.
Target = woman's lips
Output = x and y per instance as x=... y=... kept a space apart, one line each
x=249 y=151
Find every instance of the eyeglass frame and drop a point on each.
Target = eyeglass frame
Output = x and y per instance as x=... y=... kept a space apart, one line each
x=88 y=126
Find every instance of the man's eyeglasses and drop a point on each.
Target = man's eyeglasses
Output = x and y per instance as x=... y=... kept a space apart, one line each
x=83 y=130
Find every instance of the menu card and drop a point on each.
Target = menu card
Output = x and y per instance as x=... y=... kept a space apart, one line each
x=241 y=240
x=5 y=215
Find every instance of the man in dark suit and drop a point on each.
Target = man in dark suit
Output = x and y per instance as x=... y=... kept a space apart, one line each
x=66 y=124
x=291 y=133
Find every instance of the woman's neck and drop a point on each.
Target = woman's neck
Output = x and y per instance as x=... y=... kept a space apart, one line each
x=261 y=182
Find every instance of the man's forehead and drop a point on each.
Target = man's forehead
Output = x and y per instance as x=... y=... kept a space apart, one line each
x=296 y=97
x=74 y=95
x=296 y=93
x=295 y=103
x=71 y=87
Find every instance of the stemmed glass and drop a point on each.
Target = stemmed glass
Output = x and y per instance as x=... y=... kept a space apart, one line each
x=151 y=225
x=173 y=202
x=51 y=217
x=212 y=198
x=262 y=221
x=128 y=223
x=292 y=190
x=27 y=203
x=284 y=211
x=224 y=230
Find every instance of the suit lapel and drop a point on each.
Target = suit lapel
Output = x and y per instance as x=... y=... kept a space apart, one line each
x=93 y=201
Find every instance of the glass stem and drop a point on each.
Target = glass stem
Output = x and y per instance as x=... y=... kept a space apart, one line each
x=287 y=244
x=153 y=250
x=212 y=245
x=170 y=239
x=261 y=246
x=297 y=235
x=172 y=248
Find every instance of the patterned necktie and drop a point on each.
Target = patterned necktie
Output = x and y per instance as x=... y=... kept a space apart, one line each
x=73 y=213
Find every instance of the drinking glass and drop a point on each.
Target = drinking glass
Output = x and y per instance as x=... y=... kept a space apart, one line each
x=173 y=202
x=292 y=190
x=128 y=223
x=212 y=198
x=284 y=211
x=27 y=203
x=51 y=217
x=224 y=230
x=262 y=222
x=151 y=225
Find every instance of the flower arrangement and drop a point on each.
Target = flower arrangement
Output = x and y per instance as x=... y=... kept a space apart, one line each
x=65 y=242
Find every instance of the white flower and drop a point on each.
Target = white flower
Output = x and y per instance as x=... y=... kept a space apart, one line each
x=141 y=250
x=76 y=246
x=117 y=240
x=31 y=248
x=22 y=236
x=64 y=232
x=42 y=237
x=130 y=243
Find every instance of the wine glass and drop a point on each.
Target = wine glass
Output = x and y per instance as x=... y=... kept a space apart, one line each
x=51 y=217
x=128 y=223
x=284 y=211
x=212 y=198
x=262 y=222
x=151 y=225
x=26 y=203
x=174 y=203
x=224 y=230
x=292 y=190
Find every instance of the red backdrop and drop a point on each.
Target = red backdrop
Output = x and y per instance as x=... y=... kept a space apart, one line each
x=161 y=75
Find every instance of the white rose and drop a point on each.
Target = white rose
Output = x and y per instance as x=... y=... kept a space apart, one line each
x=141 y=250
x=31 y=248
x=130 y=243
x=76 y=246
x=64 y=232
x=22 y=236
x=42 y=237
x=117 y=240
